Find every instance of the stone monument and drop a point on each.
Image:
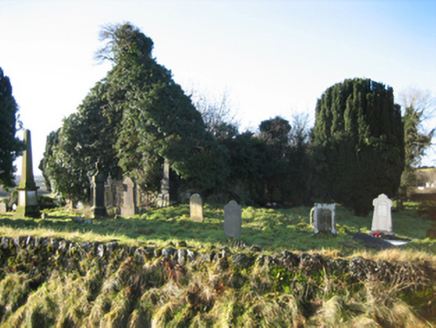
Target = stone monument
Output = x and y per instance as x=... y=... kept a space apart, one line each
x=382 y=217
x=196 y=208
x=3 y=208
x=129 y=206
x=163 y=199
x=27 y=189
x=232 y=220
x=323 y=218
x=98 y=209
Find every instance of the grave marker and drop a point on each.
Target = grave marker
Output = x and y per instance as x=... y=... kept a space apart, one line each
x=129 y=206
x=382 y=217
x=232 y=220
x=98 y=209
x=27 y=189
x=323 y=218
x=196 y=208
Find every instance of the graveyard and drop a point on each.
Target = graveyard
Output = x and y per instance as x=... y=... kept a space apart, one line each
x=157 y=218
x=164 y=268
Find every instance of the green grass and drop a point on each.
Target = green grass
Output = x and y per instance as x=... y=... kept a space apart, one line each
x=41 y=288
x=272 y=230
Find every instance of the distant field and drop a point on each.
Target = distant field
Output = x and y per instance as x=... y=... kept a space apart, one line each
x=39 y=180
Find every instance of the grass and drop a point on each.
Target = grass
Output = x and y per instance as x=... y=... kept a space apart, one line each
x=272 y=230
x=42 y=288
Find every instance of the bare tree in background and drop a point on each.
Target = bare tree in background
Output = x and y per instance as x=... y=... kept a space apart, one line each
x=217 y=113
x=418 y=107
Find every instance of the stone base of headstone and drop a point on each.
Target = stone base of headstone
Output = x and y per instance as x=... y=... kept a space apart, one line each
x=31 y=211
x=129 y=211
x=98 y=212
x=163 y=200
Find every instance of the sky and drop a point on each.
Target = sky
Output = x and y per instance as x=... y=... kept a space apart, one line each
x=269 y=57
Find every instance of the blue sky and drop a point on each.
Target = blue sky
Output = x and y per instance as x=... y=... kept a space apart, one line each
x=271 y=57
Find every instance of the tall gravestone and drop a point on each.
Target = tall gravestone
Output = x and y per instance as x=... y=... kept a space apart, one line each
x=323 y=218
x=196 y=208
x=163 y=199
x=27 y=189
x=382 y=217
x=129 y=206
x=98 y=209
x=232 y=220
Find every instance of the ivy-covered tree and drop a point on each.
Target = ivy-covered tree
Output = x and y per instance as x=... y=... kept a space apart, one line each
x=358 y=142
x=131 y=121
x=158 y=120
x=71 y=152
x=10 y=146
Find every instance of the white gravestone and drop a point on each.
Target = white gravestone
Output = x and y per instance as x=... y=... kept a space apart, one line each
x=232 y=220
x=382 y=217
x=323 y=218
x=196 y=208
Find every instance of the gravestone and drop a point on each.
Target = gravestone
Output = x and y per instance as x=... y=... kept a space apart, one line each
x=27 y=189
x=232 y=220
x=196 y=208
x=163 y=199
x=382 y=217
x=323 y=218
x=129 y=206
x=2 y=207
x=98 y=209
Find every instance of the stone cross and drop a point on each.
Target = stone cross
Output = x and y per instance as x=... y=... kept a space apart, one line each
x=382 y=217
x=129 y=206
x=196 y=208
x=98 y=209
x=323 y=218
x=27 y=189
x=232 y=220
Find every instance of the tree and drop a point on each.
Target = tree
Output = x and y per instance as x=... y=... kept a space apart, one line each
x=417 y=107
x=158 y=120
x=132 y=121
x=217 y=115
x=85 y=138
x=358 y=144
x=10 y=146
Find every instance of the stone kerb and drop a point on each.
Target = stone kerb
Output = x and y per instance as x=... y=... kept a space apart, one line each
x=323 y=218
x=232 y=220
x=196 y=208
x=382 y=217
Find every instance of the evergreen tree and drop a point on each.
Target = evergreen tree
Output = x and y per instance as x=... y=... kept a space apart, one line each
x=131 y=121
x=358 y=142
x=10 y=146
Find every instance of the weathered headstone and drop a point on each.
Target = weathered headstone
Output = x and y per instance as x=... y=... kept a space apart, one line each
x=196 y=208
x=382 y=217
x=323 y=218
x=27 y=189
x=2 y=207
x=232 y=219
x=98 y=209
x=129 y=206
x=163 y=199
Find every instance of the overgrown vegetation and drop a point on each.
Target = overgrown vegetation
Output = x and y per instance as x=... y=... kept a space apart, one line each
x=161 y=269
